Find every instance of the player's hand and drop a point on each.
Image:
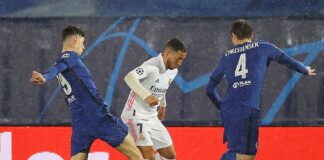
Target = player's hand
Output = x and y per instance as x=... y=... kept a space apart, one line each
x=161 y=113
x=152 y=100
x=311 y=71
x=37 y=78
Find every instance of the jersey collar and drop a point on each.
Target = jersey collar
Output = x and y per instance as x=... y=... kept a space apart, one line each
x=161 y=63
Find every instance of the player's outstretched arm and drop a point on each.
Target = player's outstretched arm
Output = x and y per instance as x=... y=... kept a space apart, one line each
x=133 y=78
x=293 y=64
x=40 y=79
x=133 y=83
x=296 y=65
x=276 y=54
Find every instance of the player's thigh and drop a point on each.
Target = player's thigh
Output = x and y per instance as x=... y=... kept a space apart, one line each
x=141 y=133
x=129 y=149
x=244 y=157
x=148 y=152
x=241 y=130
x=80 y=156
x=80 y=142
x=140 y=130
x=167 y=152
x=160 y=135
x=111 y=130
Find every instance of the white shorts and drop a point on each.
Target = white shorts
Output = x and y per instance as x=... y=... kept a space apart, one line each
x=148 y=132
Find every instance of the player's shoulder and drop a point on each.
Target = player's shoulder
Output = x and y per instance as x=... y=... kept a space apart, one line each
x=69 y=55
x=152 y=61
x=147 y=67
x=265 y=43
x=267 y=46
x=151 y=64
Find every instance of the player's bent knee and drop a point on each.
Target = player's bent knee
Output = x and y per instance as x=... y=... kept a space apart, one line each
x=162 y=158
x=171 y=156
x=167 y=153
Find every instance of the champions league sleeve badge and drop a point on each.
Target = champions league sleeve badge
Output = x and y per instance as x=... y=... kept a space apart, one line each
x=139 y=71
x=65 y=55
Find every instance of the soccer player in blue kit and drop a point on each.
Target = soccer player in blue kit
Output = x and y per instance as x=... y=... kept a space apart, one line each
x=244 y=67
x=90 y=120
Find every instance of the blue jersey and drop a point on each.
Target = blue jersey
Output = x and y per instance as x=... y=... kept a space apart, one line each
x=90 y=120
x=245 y=67
x=78 y=86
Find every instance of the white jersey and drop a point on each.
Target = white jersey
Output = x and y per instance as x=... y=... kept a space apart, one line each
x=156 y=79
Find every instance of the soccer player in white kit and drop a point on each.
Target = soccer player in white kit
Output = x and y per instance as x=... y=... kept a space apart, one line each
x=146 y=104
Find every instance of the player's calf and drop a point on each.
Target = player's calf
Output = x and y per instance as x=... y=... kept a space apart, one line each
x=129 y=149
x=148 y=152
x=167 y=153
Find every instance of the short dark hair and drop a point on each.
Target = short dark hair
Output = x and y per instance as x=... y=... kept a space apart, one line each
x=176 y=45
x=242 y=29
x=71 y=30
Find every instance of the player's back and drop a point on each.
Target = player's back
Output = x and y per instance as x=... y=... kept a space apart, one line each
x=78 y=87
x=244 y=67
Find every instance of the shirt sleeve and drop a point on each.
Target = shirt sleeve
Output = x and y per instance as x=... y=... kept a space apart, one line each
x=276 y=54
x=214 y=80
x=71 y=59
x=134 y=77
x=144 y=71
x=54 y=71
x=67 y=60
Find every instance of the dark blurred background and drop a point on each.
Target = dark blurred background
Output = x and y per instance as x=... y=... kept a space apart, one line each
x=30 y=40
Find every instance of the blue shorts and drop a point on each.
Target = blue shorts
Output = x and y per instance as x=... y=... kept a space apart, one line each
x=241 y=129
x=107 y=128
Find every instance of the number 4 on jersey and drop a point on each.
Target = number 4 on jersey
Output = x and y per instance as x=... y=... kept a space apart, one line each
x=241 y=67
